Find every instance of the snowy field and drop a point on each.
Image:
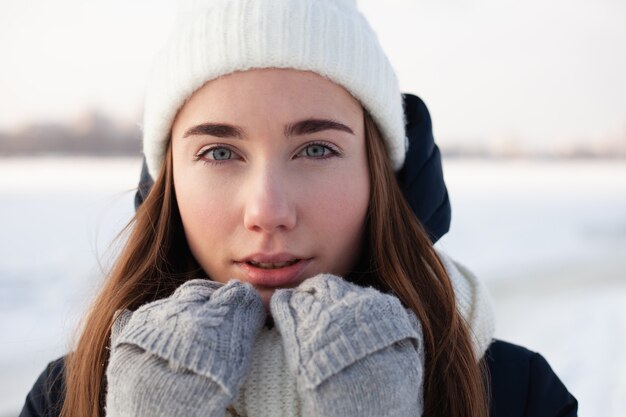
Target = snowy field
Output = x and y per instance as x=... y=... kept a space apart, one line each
x=548 y=238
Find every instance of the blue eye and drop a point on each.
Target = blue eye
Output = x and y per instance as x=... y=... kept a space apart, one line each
x=216 y=154
x=318 y=151
x=220 y=153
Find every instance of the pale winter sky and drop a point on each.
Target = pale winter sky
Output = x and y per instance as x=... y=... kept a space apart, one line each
x=535 y=71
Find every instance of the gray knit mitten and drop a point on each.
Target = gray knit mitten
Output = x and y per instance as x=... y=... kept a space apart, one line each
x=185 y=355
x=355 y=351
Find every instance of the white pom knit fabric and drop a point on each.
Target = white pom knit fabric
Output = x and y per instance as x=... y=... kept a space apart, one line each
x=270 y=388
x=218 y=37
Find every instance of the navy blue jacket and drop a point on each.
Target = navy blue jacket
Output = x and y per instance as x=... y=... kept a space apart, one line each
x=522 y=383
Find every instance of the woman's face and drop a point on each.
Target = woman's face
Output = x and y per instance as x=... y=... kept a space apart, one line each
x=271 y=177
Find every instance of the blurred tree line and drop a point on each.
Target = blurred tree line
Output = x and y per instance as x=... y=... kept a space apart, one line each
x=95 y=134
x=91 y=134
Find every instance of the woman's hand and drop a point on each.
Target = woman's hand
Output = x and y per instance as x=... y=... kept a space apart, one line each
x=185 y=355
x=355 y=351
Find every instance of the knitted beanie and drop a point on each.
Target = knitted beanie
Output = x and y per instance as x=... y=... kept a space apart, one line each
x=217 y=37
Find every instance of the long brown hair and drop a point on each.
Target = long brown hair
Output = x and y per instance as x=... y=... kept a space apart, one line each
x=399 y=259
x=404 y=263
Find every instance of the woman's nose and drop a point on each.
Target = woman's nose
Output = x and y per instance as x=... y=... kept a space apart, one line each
x=269 y=207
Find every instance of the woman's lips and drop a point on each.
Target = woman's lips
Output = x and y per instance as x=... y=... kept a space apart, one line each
x=285 y=276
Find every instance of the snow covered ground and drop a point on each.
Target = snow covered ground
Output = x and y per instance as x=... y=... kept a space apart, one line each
x=548 y=239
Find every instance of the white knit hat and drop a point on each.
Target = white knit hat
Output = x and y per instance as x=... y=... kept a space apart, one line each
x=218 y=37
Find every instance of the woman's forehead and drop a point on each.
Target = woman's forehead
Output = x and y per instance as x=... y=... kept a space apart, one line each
x=287 y=87
x=271 y=97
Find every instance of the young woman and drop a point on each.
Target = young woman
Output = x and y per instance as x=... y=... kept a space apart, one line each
x=275 y=267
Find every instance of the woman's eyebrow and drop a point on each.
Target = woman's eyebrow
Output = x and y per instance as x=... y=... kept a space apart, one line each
x=302 y=127
x=308 y=126
x=219 y=130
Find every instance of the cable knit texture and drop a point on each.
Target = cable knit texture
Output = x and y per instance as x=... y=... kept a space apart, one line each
x=354 y=350
x=185 y=355
x=260 y=398
x=337 y=349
